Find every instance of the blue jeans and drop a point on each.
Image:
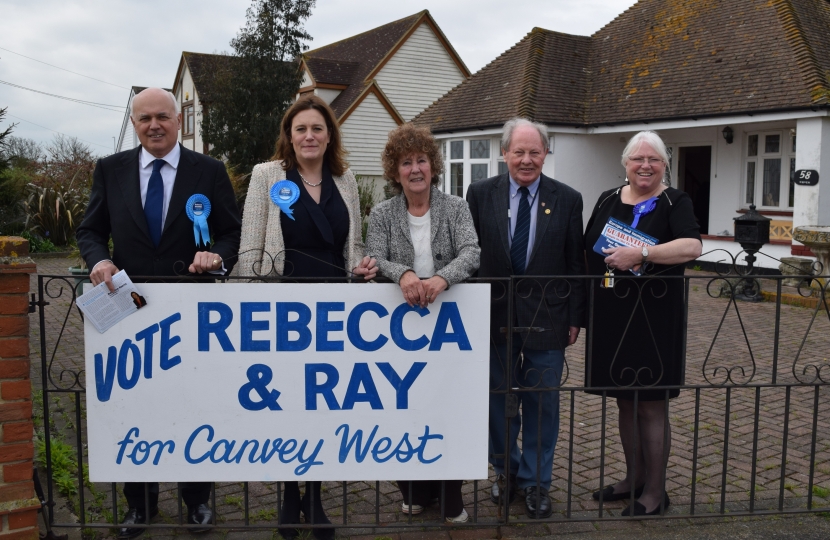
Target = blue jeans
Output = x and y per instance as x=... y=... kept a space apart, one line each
x=540 y=409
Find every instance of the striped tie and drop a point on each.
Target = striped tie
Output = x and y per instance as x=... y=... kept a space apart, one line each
x=518 y=251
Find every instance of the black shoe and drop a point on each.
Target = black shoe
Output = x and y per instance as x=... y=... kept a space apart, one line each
x=201 y=514
x=640 y=510
x=537 y=500
x=134 y=516
x=319 y=517
x=290 y=510
x=499 y=486
x=608 y=494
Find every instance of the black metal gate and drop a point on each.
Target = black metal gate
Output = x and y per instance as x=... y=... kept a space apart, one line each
x=749 y=429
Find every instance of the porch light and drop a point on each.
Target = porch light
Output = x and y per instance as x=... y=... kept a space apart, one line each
x=727 y=134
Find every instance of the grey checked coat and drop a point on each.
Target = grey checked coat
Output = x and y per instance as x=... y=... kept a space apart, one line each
x=455 y=251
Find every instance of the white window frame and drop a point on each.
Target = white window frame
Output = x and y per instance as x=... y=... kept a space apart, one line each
x=465 y=173
x=784 y=154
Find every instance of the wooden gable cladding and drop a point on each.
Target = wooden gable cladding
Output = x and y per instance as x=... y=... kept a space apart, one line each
x=354 y=64
x=426 y=19
x=373 y=89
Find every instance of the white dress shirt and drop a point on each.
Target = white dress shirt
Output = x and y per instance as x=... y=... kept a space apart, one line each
x=515 y=197
x=168 y=175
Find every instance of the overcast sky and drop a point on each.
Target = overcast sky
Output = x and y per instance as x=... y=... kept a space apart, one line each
x=125 y=44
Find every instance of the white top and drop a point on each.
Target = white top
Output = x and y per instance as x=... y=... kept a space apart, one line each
x=419 y=230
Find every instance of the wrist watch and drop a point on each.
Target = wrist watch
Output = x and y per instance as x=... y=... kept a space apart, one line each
x=645 y=254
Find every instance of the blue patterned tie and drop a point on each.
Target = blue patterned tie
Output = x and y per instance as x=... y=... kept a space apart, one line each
x=154 y=202
x=518 y=251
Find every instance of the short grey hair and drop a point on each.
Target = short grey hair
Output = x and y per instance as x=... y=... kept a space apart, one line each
x=169 y=94
x=511 y=125
x=652 y=139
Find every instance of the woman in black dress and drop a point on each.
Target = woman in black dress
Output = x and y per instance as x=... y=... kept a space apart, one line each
x=638 y=324
x=302 y=219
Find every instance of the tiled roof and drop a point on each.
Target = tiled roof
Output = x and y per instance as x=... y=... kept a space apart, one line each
x=204 y=68
x=659 y=59
x=332 y=71
x=350 y=61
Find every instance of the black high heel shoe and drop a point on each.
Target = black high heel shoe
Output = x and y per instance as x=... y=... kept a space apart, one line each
x=290 y=510
x=312 y=491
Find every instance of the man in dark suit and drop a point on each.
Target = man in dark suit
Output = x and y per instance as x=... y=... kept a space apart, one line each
x=138 y=197
x=528 y=224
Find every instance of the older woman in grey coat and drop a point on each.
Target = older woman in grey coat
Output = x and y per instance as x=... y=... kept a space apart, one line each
x=425 y=241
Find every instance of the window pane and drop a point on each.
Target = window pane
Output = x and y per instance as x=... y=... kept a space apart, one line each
x=793 y=138
x=478 y=171
x=750 y=182
x=792 y=180
x=457 y=179
x=772 y=181
x=772 y=144
x=457 y=150
x=502 y=167
x=753 y=146
x=479 y=149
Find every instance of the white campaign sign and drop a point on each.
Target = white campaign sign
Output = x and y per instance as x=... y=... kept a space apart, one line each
x=256 y=382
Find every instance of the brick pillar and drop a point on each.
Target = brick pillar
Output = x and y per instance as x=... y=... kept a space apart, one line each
x=18 y=504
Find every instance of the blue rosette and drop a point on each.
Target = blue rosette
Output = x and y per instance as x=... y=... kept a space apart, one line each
x=285 y=193
x=643 y=208
x=198 y=210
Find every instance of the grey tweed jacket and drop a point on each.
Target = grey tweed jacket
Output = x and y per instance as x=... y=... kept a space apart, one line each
x=455 y=251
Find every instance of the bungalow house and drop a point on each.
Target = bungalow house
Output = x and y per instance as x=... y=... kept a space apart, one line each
x=739 y=90
x=127 y=138
x=374 y=81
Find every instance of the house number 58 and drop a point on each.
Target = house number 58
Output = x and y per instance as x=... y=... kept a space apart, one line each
x=806 y=177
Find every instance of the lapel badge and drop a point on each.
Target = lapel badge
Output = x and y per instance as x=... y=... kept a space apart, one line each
x=543 y=203
x=547 y=210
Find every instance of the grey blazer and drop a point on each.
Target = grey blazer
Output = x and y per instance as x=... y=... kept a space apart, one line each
x=558 y=250
x=455 y=251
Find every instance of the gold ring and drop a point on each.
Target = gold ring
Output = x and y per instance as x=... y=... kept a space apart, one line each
x=215 y=261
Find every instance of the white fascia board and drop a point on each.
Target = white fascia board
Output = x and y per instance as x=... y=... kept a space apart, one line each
x=657 y=125
x=707 y=122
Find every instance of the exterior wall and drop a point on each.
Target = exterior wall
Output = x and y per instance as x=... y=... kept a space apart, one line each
x=185 y=93
x=588 y=163
x=813 y=152
x=326 y=94
x=307 y=81
x=128 y=138
x=714 y=251
x=424 y=59
x=365 y=132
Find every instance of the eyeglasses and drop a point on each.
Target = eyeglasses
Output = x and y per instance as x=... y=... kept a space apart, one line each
x=640 y=160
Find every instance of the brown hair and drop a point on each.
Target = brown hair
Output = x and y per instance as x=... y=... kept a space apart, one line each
x=335 y=156
x=404 y=141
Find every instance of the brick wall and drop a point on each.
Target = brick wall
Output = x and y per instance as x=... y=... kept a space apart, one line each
x=18 y=505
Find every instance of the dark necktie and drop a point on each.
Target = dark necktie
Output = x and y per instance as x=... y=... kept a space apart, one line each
x=154 y=201
x=518 y=251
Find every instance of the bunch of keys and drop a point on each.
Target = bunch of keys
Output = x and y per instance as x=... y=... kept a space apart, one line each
x=608 y=280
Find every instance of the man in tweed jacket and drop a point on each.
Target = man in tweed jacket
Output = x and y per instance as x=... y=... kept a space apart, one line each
x=547 y=313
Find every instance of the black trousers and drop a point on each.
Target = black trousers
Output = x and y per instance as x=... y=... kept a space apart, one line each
x=425 y=491
x=193 y=493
